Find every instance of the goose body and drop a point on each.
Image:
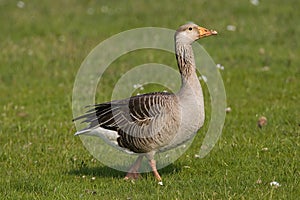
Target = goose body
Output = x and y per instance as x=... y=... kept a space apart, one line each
x=154 y=122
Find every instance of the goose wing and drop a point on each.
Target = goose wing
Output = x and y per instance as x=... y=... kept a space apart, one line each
x=136 y=119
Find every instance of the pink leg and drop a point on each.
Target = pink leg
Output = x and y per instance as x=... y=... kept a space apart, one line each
x=133 y=171
x=152 y=163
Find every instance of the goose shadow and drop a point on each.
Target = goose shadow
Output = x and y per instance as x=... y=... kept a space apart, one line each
x=104 y=171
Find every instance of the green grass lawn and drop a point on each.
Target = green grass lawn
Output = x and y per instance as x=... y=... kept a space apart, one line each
x=42 y=46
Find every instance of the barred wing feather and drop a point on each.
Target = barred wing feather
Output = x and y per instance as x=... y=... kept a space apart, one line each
x=137 y=120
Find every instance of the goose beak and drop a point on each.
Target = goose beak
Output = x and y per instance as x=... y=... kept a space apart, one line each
x=204 y=32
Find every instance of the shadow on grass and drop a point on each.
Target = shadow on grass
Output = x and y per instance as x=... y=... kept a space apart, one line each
x=104 y=171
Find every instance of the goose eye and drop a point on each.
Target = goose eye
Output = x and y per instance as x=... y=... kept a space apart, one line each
x=190 y=28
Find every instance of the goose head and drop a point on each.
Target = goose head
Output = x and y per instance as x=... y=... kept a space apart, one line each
x=188 y=33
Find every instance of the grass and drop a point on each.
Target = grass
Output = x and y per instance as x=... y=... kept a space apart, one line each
x=42 y=46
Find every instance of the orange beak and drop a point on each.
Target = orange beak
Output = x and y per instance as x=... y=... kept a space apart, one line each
x=204 y=32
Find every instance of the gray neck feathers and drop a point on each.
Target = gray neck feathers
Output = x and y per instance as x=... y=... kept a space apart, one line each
x=185 y=59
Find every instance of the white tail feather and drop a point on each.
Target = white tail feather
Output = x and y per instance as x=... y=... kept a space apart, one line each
x=109 y=136
x=105 y=134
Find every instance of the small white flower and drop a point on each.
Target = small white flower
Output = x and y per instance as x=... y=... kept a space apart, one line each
x=219 y=66
x=21 y=4
x=231 y=28
x=254 y=2
x=275 y=184
x=197 y=156
x=228 y=109
x=204 y=78
x=93 y=178
x=136 y=86
x=160 y=183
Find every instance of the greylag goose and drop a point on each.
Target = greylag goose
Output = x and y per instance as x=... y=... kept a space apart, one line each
x=154 y=122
